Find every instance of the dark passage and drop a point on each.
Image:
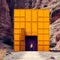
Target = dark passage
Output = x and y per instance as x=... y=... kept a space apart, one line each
x=31 y=43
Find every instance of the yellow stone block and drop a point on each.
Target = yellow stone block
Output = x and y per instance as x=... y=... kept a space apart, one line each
x=40 y=19
x=22 y=24
x=46 y=13
x=40 y=37
x=22 y=48
x=17 y=31
x=34 y=26
x=22 y=31
x=22 y=42
x=34 y=15
x=22 y=19
x=46 y=48
x=46 y=31
x=46 y=19
x=16 y=37
x=40 y=31
x=28 y=15
x=29 y=33
x=46 y=43
x=19 y=12
x=40 y=42
x=22 y=37
x=16 y=48
x=34 y=33
x=16 y=19
x=40 y=13
x=28 y=26
x=46 y=37
x=31 y=23
x=40 y=24
x=46 y=25
x=17 y=43
x=16 y=24
x=40 y=48
x=19 y=19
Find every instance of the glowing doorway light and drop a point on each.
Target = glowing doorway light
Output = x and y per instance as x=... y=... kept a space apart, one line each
x=31 y=45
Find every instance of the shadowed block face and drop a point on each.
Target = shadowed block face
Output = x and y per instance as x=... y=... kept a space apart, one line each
x=28 y=22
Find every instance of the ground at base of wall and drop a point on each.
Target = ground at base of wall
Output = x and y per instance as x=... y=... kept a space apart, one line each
x=32 y=55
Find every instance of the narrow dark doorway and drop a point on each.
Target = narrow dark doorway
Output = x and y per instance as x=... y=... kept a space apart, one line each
x=31 y=43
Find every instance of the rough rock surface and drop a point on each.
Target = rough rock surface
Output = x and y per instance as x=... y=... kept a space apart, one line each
x=54 y=34
x=5 y=23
